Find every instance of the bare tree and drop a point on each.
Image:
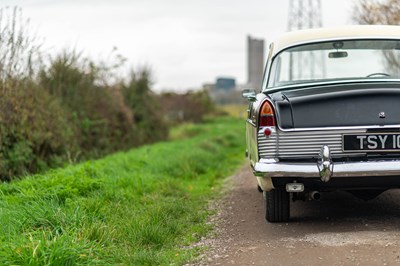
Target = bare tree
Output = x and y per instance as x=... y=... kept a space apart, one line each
x=382 y=12
x=386 y=12
x=19 y=51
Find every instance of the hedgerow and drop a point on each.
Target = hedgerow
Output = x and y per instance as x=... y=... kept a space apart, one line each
x=67 y=108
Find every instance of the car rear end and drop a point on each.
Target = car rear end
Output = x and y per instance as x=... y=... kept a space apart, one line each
x=335 y=127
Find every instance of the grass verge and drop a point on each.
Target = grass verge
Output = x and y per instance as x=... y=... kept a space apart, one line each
x=143 y=207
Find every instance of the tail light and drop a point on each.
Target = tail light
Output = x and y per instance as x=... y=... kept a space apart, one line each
x=267 y=115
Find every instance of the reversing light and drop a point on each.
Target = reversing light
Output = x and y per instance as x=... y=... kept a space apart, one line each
x=267 y=115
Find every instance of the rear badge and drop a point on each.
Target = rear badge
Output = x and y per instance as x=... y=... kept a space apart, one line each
x=382 y=115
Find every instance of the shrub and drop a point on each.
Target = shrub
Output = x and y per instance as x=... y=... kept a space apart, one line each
x=188 y=107
x=34 y=131
x=102 y=120
x=147 y=113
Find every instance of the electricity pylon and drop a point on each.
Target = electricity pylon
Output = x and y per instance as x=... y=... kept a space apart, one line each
x=306 y=14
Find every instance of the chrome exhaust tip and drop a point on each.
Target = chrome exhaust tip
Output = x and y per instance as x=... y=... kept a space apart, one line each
x=315 y=195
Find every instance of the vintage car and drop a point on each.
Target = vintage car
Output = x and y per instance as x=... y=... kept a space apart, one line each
x=327 y=117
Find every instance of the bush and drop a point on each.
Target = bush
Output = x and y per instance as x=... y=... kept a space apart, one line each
x=147 y=113
x=188 y=107
x=67 y=114
x=102 y=121
x=34 y=131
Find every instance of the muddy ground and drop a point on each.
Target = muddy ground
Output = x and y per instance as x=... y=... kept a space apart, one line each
x=337 y=230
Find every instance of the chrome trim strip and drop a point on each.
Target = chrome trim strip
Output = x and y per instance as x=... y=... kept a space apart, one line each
x=250 y=122
x=339 y=128
x=308 y=85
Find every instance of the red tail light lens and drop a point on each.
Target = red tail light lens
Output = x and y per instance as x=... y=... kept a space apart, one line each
x=267 y=115
x=267 y=132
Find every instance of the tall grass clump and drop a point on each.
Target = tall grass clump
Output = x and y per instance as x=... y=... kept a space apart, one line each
x=142 y=207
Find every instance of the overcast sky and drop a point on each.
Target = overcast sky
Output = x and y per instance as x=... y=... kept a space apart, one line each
x=186 y=42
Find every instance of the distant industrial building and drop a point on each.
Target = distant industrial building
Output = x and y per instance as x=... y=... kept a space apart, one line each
x=225 y=84
x=255 y=62
x=225 y=90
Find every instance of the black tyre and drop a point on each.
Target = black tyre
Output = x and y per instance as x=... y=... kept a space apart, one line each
x=277 y=205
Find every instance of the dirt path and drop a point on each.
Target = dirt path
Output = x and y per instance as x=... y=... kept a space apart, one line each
x=338 y=230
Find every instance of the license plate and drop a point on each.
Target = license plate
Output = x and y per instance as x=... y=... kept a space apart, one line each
x=372 y=142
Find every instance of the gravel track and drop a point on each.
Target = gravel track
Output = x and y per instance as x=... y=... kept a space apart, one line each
x=337 y=230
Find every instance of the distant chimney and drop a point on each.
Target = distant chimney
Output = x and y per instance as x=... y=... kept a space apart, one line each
x=255 y=62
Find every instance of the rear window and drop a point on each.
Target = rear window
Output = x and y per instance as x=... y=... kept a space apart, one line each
x=336 y=61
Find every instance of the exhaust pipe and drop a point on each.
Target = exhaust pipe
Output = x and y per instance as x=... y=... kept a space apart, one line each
x=315 y=195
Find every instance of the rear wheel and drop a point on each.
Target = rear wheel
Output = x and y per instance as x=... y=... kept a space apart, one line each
x=277 y=204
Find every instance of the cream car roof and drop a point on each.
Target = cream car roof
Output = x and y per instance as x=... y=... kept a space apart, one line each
x=347 y=32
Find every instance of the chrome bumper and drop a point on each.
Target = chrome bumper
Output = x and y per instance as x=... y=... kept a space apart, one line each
x=273 y=168
x=325 y=169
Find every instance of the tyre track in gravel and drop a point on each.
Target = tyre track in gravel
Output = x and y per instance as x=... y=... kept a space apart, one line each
x=338 y=230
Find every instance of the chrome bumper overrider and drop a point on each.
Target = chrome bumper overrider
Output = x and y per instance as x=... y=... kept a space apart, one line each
x=325 y=169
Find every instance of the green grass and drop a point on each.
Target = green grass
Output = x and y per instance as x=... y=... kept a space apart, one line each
x=142 y=207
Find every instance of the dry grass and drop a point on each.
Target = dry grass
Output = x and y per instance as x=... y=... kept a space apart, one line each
x=235 y=110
